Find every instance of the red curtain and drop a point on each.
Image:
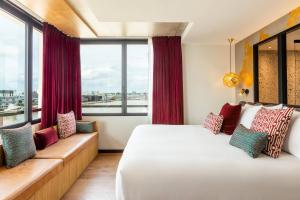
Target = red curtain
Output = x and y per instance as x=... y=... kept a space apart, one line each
x=61 y=75
x=167 y=81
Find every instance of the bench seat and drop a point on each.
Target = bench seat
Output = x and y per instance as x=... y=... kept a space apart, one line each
x=24 y=180
x=51 y=172
x=67 y=149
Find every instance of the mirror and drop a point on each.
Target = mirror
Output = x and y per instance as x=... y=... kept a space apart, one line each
x=268 y=71
x=293 y=67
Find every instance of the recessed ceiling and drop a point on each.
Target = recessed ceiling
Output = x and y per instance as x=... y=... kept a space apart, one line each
x=198 y=21
x=213 y=20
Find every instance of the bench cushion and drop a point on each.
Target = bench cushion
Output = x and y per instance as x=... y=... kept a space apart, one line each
x=67 y=148
x=23 y=180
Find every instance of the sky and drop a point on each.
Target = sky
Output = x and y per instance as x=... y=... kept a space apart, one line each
x=12 y=51
x=101 y=68
x=100 y=64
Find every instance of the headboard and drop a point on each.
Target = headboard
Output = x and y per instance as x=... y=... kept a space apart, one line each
x=297 y=107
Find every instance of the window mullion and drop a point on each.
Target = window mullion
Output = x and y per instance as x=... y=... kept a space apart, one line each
x=28 y=73
x=124 y=78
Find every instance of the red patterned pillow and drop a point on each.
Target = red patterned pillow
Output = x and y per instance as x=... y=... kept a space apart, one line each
x=275 y=123
x=66 y=124
x=213 y=122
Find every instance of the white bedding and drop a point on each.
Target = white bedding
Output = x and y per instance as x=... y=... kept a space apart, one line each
x=164 y=162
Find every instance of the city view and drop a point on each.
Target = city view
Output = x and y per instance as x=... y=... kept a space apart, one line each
x=97 y=102
x=12 y=104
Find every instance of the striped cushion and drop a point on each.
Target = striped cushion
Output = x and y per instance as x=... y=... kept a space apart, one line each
x=18 y=145
x=250 y=141
x=213 y=122
x=66 y=124
x=275 y=123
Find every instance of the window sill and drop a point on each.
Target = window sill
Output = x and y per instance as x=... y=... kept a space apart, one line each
x=114 y=114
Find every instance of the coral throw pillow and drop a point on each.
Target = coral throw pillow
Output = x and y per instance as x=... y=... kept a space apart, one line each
x=231 y=115
x=45 y=138
x=66 y=124
x=213 y=122
x=275 y=123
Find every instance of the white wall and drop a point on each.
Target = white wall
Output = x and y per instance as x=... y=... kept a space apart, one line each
x=203 y=70
x=115 y=130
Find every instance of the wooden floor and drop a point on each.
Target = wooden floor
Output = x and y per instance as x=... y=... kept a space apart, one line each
x=98 y=181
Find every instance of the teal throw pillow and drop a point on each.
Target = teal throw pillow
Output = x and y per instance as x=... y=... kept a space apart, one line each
x=18 y=145
x=248 y=140
x=85 y=127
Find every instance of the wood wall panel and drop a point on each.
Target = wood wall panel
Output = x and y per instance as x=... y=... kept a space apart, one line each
x=60 y=14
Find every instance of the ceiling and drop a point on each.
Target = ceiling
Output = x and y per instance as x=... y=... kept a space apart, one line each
x=198 y=21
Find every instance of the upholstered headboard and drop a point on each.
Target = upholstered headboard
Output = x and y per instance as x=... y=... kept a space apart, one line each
x=297 y=107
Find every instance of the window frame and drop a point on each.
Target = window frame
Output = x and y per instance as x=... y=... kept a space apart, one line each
x=123 y=43
x=30 y=23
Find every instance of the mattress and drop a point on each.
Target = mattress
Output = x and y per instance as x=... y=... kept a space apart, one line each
x=170 y=162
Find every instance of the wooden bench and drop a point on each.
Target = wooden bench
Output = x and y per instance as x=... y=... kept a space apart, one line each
x=51 y=172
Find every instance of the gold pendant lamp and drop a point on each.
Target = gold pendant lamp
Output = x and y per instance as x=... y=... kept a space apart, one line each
x=231 y=79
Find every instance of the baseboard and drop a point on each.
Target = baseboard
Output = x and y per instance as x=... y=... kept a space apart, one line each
x=110 y=150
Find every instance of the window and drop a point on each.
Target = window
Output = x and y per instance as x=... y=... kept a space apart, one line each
x=20 y=63
x=37 y=73
x=109 y=71
x=137 y=78
x=101 y=78
x=12 y=70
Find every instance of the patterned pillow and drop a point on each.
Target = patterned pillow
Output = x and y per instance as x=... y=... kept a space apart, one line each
x=18 y=145
x=248 y=140
x=275 y=123
x=66 y=124
x=213 y=122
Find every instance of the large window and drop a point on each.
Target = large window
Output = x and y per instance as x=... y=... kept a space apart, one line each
x=114 y=77
x=37 y=73
x=20 y=66
x=12 y=70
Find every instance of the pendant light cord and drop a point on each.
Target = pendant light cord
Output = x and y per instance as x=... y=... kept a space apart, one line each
x=230 y=40
x=230 y=56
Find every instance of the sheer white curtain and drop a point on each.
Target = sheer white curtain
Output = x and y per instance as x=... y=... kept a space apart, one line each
x=150 y=57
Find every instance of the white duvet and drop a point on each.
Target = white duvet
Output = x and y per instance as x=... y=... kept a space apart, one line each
x=165 y=162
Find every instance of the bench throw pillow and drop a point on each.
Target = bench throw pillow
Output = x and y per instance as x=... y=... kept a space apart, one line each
x=213 y=123
x=66 y=124
x=18 y=145
x=85 y=127
x=253 y=143
x=275 y=123
x=45 y=137
x=231 y=117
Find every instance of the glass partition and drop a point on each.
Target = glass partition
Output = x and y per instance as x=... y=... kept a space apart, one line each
x=293 y=67
x=268 y=71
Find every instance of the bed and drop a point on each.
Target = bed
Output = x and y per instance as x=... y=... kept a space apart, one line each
x=170 y=162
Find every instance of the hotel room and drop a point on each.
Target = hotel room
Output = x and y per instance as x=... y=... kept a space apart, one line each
x=149 y=100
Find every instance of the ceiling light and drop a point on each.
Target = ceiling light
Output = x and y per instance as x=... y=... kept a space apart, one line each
x=231 y=79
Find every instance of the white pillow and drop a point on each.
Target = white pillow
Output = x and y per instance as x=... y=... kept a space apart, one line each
x=248 y=113
x=292 y=140
x=279 y=106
